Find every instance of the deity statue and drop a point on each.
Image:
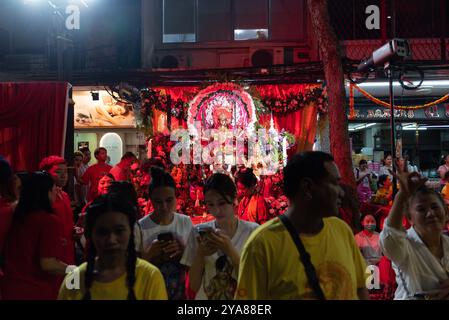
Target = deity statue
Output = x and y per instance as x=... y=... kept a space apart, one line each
x=222 y=117
x=222 y=122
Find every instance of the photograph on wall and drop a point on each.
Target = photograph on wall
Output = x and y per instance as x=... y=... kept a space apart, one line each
x=99 y=109
x=83 y=144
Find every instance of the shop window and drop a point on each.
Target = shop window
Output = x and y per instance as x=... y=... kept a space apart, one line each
x=214 y=20
x=251 y=19
x=178 y=21
x=288 y=20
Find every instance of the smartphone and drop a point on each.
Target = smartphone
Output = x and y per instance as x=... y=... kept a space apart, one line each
x=166 y=236
x=204 y=230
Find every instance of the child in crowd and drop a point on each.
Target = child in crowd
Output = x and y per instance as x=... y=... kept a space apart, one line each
x=445 y=190
x=385 y=191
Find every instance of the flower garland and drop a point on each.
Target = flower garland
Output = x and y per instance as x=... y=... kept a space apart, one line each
x=387 y=105
x=351 y=102
x=294 y=102
x=163 y=102
x=153 y=99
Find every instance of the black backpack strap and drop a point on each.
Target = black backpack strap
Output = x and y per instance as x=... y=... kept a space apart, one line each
x=305 y=258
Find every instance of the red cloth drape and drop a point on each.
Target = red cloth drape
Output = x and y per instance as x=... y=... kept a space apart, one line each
x=302 y=124
x=32 y=122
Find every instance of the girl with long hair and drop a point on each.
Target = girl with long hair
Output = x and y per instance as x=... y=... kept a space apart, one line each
x=213 y=250
x=112 y=270
x=33 y=250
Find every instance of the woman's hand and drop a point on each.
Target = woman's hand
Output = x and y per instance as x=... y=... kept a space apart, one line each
x=409 y=181
x=154 y=251
x=172 y=249
x=444 y=293
x=220 y=241
x=205 y=248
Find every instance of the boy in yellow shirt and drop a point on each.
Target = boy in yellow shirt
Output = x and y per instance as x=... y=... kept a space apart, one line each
x=384 y=191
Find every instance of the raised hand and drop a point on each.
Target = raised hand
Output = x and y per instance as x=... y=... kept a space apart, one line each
x=409 y=181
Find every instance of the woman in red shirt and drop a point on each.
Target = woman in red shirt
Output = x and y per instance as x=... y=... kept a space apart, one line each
x=33 y=248
x=9 y=184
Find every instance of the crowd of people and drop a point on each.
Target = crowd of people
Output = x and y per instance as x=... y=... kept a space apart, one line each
x=295 y=235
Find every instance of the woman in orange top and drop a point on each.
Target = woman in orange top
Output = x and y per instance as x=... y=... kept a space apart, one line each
x=252 y=205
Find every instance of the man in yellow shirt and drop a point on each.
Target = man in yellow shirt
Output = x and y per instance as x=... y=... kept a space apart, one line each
x=270 y=265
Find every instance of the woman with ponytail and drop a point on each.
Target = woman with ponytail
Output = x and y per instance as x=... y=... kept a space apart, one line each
x=112 y=270
x=213 y=250
x=164 y=233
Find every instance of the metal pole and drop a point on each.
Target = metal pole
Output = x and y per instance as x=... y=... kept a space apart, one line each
x=392 y=124
x=443 y=30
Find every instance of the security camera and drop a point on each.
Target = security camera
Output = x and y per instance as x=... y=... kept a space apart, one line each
x=393 y=50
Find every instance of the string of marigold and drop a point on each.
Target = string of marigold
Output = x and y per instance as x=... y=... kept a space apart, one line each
x=351 y=102
x=387 y=105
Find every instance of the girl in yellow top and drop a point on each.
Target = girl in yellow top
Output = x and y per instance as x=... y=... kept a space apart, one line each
x=384 y=191
x=445 y=191
x=112 y=270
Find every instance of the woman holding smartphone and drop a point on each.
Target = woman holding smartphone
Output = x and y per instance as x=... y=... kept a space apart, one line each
x=213 y=250
x=163 y=233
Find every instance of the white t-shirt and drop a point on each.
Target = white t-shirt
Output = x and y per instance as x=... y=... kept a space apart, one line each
x=216 y=286
x=384 y=170
x=369 y=246
x=359 y=173
x=181 y=227
x=173 y=271
x=417 y=269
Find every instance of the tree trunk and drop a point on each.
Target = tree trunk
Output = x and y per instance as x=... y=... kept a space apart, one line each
x=333 y=71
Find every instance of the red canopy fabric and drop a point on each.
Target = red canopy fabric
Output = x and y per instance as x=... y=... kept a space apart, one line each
x=32 y=122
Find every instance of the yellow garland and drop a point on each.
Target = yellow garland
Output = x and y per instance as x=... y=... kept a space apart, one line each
x=387 y=105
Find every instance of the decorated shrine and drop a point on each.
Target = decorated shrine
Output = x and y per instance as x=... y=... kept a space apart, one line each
x=207 y=123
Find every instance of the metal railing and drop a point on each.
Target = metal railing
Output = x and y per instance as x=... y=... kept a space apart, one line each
x=364 y=25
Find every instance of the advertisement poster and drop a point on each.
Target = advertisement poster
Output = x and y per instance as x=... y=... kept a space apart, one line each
x=105 y=112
